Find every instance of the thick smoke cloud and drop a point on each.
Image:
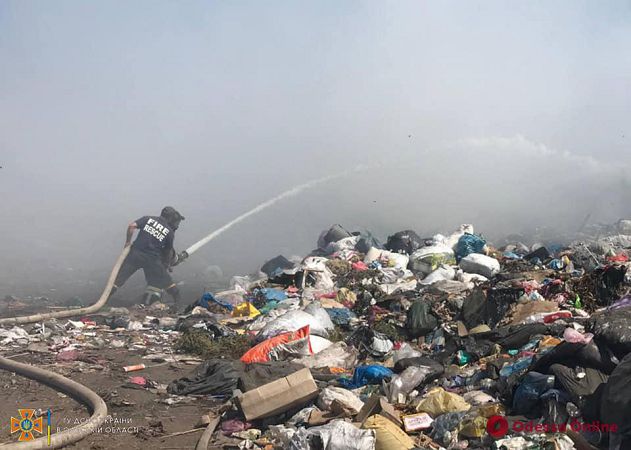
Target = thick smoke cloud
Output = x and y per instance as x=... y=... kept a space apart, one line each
x=508 y=116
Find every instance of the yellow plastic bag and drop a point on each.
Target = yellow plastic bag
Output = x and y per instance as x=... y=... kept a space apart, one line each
x=491 y=409
x=389 y=435
x=473 y=427
x=245 y=309
x=439 y=402
x=346 y=296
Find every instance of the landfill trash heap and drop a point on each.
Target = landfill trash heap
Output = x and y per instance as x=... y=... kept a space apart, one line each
x=442 y=342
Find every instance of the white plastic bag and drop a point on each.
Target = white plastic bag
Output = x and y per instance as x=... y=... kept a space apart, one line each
x=346 y=398
x=319 y=344
x=404 y=352
x=444 y=272
x=387 y=258
x=470 y=277
x=316 y=265
x=477 y=398
x=454 y=237
x=348 y=243
x=335 y=435
x=406 y=382
x=292 y=321
x=480 y=264
x=427 y=259
x=337 y=355
x=317 y=311
x=402 y=286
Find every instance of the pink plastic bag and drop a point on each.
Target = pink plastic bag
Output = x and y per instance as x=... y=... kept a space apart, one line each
x=573 y=336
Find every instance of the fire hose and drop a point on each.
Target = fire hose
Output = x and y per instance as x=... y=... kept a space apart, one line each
x=73 y=312
x=97 y=406
x=75 y=390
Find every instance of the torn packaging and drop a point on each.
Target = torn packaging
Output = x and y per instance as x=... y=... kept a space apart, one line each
x=293 y=343
x=378 y=404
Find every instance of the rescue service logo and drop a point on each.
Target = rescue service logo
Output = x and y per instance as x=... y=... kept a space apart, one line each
x=26 y=425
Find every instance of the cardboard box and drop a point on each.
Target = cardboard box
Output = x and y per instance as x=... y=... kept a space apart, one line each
x=378 y=405
x=278 y=396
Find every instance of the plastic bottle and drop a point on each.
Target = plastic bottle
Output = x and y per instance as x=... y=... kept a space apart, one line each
x=518 y=366
x=463 y=358
x=487 y=384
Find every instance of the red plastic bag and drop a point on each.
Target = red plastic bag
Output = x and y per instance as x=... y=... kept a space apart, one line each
x=290 y=344
x=359 y=266
x=556 y=316
x=621 y=257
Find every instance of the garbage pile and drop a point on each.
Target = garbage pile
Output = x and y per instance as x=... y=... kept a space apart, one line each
x=442 y=342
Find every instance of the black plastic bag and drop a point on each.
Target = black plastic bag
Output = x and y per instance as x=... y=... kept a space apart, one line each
x=214 y=377
x=499 y=301
x=541 y=253
x=477 y=346
x=616 y=398
x=420 y=321
x=515 y=337
x=488 y=307
x=257 y=374
x=406 y=241
x=474 y=309
x=613 y=328
x=554 y=407
x=578 y=382
x=366 y=242
x=334 y=234
x=275 y=266
x=526 y=397
x=575 y=355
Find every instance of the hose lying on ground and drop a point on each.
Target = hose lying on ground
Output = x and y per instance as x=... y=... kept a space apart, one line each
x=73 y=312
x=204 y=439
x=82 y=394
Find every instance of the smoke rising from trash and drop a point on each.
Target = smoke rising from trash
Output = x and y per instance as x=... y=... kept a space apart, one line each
x=511 y=121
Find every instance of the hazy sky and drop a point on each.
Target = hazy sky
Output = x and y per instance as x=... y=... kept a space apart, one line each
x=498 y=113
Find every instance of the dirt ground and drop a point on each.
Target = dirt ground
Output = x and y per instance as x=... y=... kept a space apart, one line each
x=139 y=418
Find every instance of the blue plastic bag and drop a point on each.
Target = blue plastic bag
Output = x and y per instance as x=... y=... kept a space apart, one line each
x=271 y=294
x=469 y=243
x=556 y=264
x=208 y=298
x=340 y=316
x=527 y=395
x=364 y=375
